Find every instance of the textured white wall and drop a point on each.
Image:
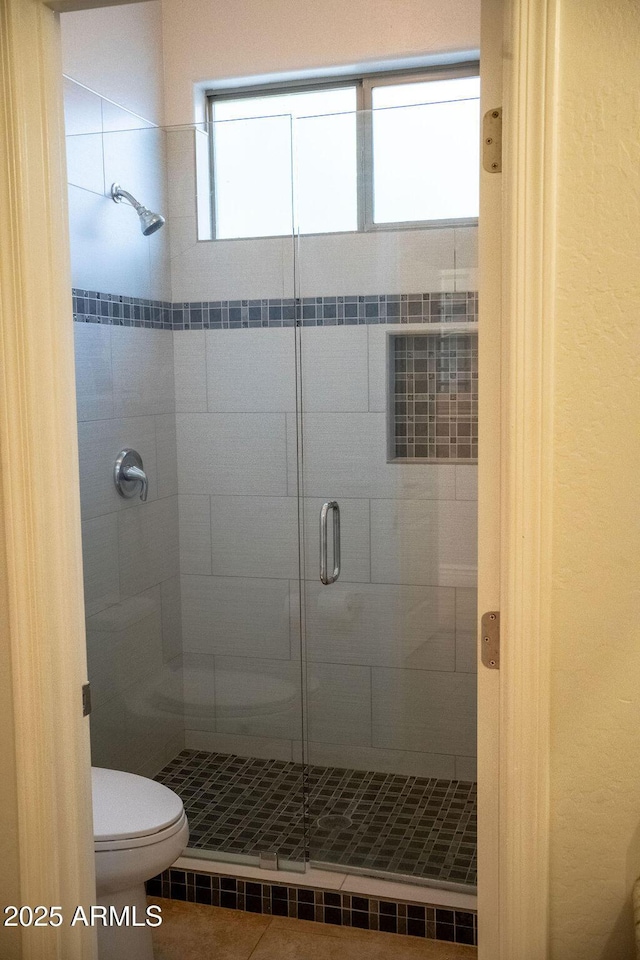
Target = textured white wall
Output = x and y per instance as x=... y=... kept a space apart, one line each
x=214 y=41
x=595 y=732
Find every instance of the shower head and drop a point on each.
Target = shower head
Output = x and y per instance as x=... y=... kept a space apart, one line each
x=149 y=222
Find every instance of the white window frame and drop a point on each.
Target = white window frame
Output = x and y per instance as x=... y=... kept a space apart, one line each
x=364 y=84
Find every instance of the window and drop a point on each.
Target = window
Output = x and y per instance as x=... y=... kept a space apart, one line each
x=378 y=152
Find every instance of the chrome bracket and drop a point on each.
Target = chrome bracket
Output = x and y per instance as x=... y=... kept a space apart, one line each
x=490 y=640
x=268 y=861
x=492 y=140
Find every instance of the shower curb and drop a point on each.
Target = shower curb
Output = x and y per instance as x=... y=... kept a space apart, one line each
x=387 y=915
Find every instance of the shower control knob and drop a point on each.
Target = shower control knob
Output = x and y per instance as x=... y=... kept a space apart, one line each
x=129 y=475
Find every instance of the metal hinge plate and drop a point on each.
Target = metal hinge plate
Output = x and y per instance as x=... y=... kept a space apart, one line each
x=490 y=639
x=492 y=140
x=86 y=699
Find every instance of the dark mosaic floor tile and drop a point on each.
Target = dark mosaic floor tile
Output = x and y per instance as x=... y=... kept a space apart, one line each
x=425 y=828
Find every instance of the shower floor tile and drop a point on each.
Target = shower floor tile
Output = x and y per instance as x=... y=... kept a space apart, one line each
x=380 y=822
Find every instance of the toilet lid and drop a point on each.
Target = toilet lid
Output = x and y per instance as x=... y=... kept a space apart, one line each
x=125 y=805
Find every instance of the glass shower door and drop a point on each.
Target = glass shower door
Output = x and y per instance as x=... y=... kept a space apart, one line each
x=237 y=375
x=389 y=440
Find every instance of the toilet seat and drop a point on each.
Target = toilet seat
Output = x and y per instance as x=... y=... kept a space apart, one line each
x=129 y=843
x=131 y=811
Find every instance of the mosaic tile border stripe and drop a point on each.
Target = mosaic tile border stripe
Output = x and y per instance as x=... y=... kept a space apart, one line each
x=93 y=307
x=320 y=906
x=90 y=306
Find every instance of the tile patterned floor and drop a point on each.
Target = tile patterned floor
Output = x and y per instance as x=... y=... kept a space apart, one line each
x=409 y=826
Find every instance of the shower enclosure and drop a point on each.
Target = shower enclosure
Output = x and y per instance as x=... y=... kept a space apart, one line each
x=284 y=633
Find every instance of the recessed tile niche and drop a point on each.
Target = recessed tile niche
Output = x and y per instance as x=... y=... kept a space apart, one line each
x=433 y=397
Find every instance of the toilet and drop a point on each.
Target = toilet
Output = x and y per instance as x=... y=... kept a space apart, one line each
x=139 y=829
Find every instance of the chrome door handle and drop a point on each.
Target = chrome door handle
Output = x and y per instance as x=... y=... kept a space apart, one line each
x=324 y=542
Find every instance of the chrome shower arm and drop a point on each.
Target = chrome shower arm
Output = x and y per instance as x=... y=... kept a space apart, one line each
x=118 y=194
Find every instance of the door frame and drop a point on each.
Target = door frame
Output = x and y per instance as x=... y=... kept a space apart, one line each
x=45 y=648
x=516 y=423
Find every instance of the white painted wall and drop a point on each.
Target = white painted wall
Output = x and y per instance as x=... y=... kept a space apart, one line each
x=595 y=721
x=206 y=41
x=117 y=51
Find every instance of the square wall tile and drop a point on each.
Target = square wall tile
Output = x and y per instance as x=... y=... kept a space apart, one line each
x=190 y=371
x=416 y=708
x=236 y=615
x=424 y=541
x=100 y=442
x=254 y=536
x=346 y=456
x=258 y=697
x=94 y=382
x=195 y=535
x=335 y=369
x=167 y=455
x=100 y=563
x=339 y=703
x=380 y=624
x=466 y=630
x=251 y=370
x=171 y=618
x=148 y=545
x=142 y=371
x=232 y=453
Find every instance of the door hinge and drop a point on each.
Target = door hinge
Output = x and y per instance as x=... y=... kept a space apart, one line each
x=490 y=639
x=492 y=140
x=86 y=699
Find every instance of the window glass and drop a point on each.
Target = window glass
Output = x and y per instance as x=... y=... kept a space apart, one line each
x=426 y=150
x=257 y=150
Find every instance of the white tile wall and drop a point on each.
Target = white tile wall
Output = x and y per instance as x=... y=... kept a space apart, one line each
x=195 y=535
x=258 y=698
x=423 y=710
x=100 y=560
x=190 y=371
x=251 y=370
x=232 y=453
x=258 y=747
x=466 y=482
x=171 y=619
x=345 y=456
x=94 y=381
x=108 y=251
x=424 y=541
x=148 y=545
x=255 y=536
x=181 y=161
x=142 y=372
x=381 y=624
x=167 y=455
x=404 y=762
x=236 y=615
x=106 y=143
x=100 y=442
x=466 y=631
x=335 y=369
x=339 y=704
x=125 y=648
